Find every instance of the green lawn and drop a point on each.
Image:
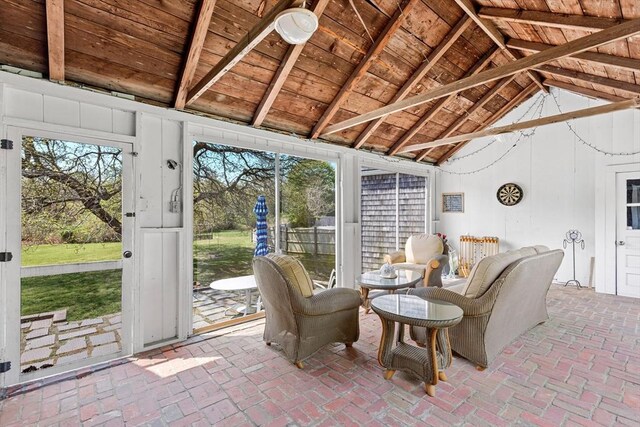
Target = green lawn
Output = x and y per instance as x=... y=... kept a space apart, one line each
x=229 y=254
x=70 y=253
x=84 y=295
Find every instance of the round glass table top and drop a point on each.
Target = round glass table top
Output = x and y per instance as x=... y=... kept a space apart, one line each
x=413 y=307
x=404 y=279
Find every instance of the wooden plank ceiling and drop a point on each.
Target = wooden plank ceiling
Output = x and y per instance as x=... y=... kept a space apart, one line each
x=158 y=50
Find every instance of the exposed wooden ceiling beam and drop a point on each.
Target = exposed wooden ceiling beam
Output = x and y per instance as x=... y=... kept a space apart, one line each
x=591 y=93
x=372 y=55
x=548 y=19
x=435 y=55
x=586 y=112
x=630 y=88
x=203 y=19
x=55 y=38
x=285 y=67
x=494 y=33
x=240 y=50
x=582 y=44
x=426 y=117
x=470 y=112
x=515 y=102
x=630 y=64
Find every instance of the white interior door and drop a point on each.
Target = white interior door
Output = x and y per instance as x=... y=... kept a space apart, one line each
x=628 y=233
x=58 y=343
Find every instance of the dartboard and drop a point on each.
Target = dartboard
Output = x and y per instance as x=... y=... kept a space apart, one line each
x=510 y=194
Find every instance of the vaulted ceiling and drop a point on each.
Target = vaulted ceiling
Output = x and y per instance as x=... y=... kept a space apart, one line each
x=365 y=55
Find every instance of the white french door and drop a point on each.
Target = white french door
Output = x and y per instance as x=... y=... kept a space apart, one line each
x=628 y=233
x=60 y=344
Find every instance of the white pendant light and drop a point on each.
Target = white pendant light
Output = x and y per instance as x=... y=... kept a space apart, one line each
x=296 y=25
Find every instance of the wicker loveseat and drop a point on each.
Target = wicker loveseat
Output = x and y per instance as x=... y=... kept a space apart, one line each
x=296 y=319
x=505 y=296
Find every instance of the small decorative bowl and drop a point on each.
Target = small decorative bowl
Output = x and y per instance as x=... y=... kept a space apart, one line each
x=387 y=271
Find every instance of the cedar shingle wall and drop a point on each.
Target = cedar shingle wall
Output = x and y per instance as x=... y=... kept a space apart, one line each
x=378 y=203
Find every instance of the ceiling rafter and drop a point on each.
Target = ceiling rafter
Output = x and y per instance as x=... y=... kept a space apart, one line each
x=240 y=50
x=582 y=44
x=55 y=38
x=515 y=102
x=585 y=91
x=285 y=67
x=630 y=64
x=426 y=117
x=394 y=23
x=198 y=36
x=630 y=88
x=466 y=115
x=548 y=19
x=557 y=118
x=435 y=55
x=494 y=33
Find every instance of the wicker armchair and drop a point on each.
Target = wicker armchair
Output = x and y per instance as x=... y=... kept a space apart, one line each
x=422 y=253
x=511 y=305
x=296 y=319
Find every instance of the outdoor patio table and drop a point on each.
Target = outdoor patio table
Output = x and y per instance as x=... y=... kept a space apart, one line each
x=242 y=283
x=425 y=363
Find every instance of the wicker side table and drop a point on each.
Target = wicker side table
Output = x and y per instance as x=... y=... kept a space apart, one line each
x=429 y=363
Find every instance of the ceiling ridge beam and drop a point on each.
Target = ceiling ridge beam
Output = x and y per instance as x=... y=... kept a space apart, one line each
x=394 y=24
x=582 y=44
x=543 y=121
x=496 y=35
x=240 y=50
x=55 y=38
x=630 y=88
x=404 y=139
x=436 y=54
x=285 y=67
x=549 y=19
x=630 y=64
x=515 y=102
x=585 y=91
x=200 y=30
x=457 y=124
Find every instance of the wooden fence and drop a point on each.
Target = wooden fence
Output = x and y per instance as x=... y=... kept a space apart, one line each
x=311 y=240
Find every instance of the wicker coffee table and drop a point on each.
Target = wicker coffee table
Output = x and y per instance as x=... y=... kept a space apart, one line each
x=371 y=280
x=429 y=363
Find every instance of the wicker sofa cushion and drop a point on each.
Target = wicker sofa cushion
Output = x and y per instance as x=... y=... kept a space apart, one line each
x=486 y=271
x=420 y=248
x=295 y=273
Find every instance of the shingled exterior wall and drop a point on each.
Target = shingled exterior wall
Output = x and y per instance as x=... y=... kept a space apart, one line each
x=378 y=204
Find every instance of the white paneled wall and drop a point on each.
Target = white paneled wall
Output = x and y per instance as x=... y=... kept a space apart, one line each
x=563 y=183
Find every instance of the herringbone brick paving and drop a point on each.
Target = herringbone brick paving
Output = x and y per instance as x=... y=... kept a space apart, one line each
x=582 y=367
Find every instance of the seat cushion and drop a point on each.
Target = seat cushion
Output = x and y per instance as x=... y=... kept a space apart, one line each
x=294 y=273
x=420 y=248
x=486 y=271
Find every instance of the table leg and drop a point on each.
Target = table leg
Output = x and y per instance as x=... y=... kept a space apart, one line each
x=433 y=335
x=247 y=306
x=365 y=299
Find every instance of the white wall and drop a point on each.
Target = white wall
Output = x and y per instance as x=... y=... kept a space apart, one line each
x=563 y=183
x=161 y=285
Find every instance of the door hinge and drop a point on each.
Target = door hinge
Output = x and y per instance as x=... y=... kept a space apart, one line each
x=134 y=153
x=6 y=256
x=130 y=214
x=6 y=144
x=4 y=367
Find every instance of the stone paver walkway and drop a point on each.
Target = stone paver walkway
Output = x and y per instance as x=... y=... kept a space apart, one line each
x=212 y=306
x=582 y=367
x=53 y=340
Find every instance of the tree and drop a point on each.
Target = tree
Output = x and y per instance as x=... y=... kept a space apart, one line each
x=64 y=181
x=309 y=192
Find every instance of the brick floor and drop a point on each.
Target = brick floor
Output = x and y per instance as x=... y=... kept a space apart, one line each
x=582 y=367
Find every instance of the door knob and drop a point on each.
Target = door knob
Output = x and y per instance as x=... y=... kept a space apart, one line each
x=620 y=243
x=127 y=254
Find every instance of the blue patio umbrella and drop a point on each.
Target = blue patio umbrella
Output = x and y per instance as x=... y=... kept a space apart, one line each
x=261 y=212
